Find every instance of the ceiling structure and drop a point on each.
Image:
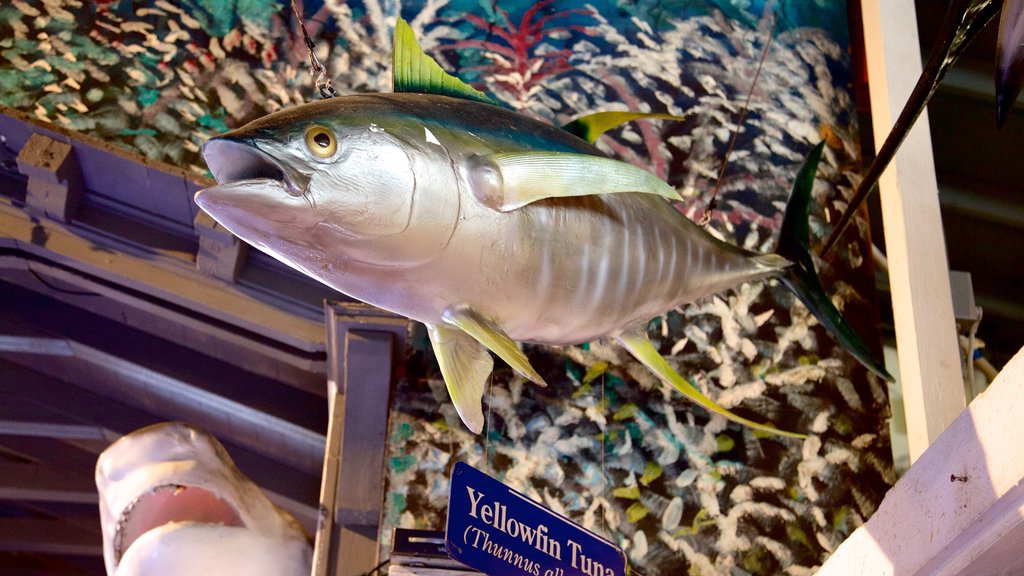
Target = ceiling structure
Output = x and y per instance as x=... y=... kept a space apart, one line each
x=132 y=312
x=139 y=310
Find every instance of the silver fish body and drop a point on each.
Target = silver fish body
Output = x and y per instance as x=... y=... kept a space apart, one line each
x=488 y=226
x=491 y=228
x=395 y=219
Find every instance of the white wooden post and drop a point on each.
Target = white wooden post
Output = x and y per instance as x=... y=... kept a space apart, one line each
x=929 y=359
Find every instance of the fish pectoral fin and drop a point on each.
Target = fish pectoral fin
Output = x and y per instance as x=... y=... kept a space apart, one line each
x=414 y=71
x=635 y=340
x=591 y=126
x=493 y=338
x=465 y=365
x=506 y=181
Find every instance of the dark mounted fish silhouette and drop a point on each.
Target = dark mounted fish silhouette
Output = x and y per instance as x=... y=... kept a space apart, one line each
x=964 y=20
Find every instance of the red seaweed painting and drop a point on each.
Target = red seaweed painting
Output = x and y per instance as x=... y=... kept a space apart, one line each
x=519 y=61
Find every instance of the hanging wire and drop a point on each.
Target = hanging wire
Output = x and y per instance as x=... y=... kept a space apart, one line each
x=604 y=448
x=487 y=426
x=317 y=70
x=377 y=569
x=713 y=202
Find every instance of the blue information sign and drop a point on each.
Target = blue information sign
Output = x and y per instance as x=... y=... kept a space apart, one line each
x=499 y=531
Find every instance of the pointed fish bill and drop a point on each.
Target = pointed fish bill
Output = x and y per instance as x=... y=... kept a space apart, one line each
x=1009 y=58
x=964 y=20
x=167 y=490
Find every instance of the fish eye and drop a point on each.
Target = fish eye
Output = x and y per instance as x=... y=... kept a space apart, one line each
x=321 y=141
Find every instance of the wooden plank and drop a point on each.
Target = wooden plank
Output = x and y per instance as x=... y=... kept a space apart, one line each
x=72 y=411
x=960 y=507
x=250 y=351
x=134 y=180
x=929 y=358
x=38 y=483
x=120 y=269
x=158 y=393
x=362 y=344
x=57 y=430
x=31 y=535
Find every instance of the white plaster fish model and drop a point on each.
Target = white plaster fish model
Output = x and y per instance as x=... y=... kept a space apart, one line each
x=172 y=502
x=489 y=227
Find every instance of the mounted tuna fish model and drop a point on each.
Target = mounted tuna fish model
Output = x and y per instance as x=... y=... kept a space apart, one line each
x=489 y=227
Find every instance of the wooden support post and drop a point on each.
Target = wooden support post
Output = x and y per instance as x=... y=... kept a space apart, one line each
x=221 y=254
x=929 y=357
x=54 y=178
x=362 y=343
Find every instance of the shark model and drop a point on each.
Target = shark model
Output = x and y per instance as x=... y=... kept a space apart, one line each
x=172 y=502
x=489 y=227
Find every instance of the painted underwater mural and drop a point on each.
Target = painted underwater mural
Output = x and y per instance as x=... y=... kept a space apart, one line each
x=605 y=443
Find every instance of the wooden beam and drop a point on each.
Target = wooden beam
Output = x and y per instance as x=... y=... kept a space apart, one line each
x=71 y=411
x=174 y=399
x=38 y=483
x=55 y=187
x=149 y=186
x=929 y=357
x=221 y=254
x=28 y=280
x=59 y=431
x=122 y=270
x=31 y=535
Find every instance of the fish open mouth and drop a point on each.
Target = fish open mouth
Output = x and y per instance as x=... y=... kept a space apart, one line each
x=233 y=161
x=171 y=503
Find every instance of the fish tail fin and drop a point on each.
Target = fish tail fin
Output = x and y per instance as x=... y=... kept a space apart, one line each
x=802 y=278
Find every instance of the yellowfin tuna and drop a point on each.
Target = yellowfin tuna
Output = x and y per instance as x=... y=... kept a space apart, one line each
x=489 y=227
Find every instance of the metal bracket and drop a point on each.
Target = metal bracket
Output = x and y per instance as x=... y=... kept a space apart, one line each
x=362 y=345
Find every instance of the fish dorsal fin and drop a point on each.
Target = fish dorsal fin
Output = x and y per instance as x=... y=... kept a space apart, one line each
x=414 y=71
x=509 y=180
x=635 y=340
x=591 y=126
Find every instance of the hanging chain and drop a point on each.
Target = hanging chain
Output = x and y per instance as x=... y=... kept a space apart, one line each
x=317 y=70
